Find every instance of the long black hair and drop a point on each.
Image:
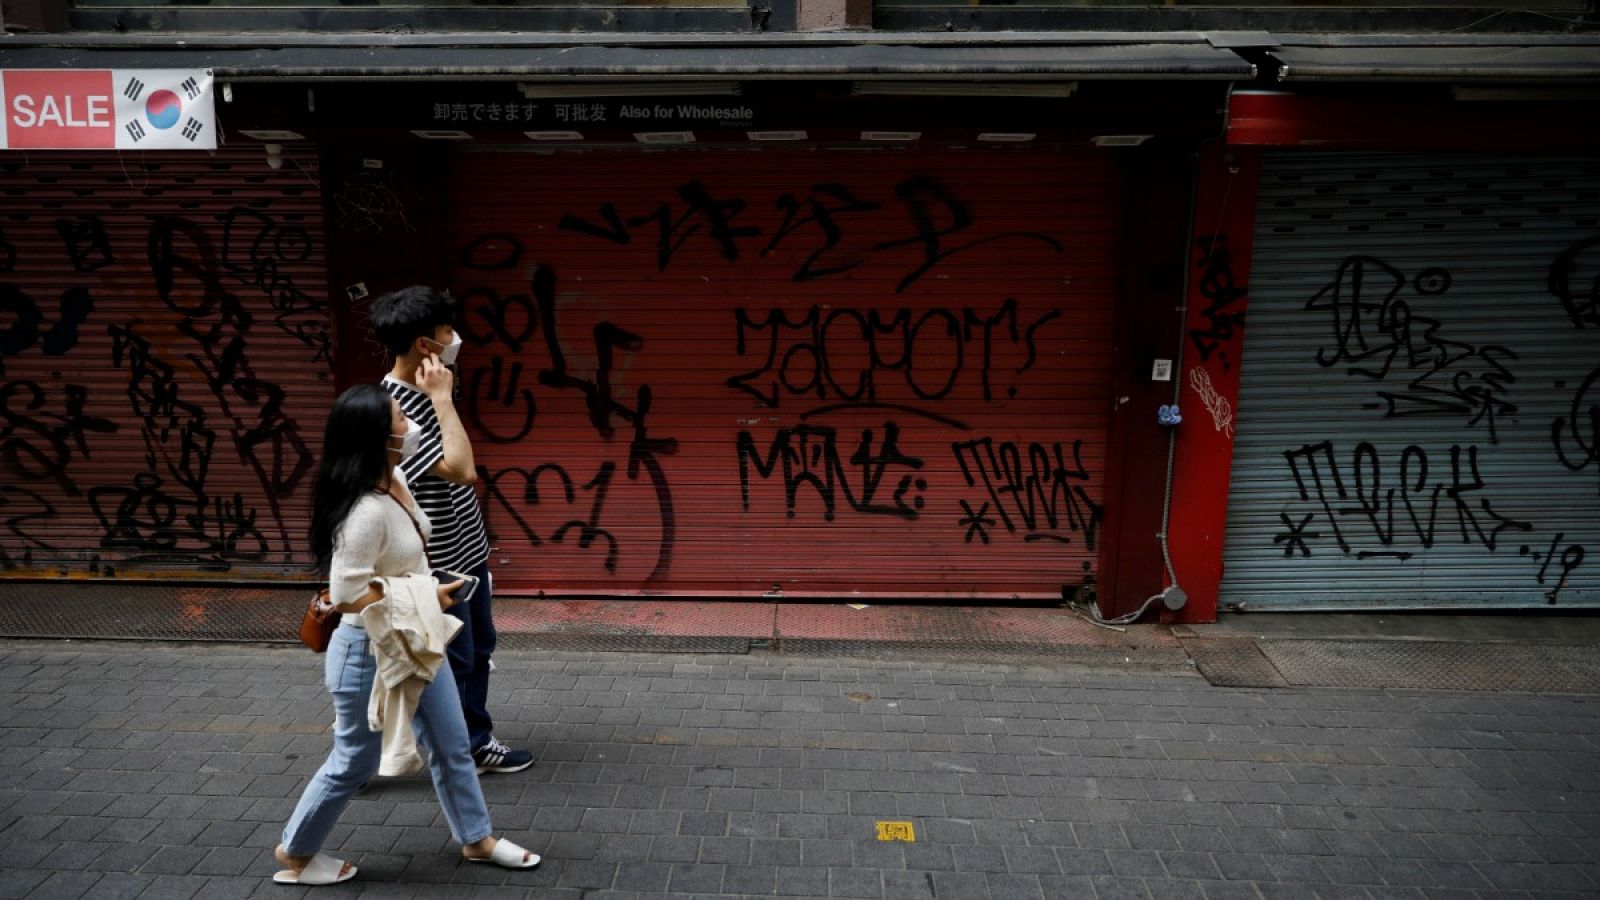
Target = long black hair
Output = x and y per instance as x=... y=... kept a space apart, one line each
x=355 y=460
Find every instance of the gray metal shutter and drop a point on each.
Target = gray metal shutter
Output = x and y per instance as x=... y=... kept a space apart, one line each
x=1419 y=416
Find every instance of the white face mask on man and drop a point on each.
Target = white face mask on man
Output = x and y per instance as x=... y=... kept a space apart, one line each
x=447 y=352
x=409 y=442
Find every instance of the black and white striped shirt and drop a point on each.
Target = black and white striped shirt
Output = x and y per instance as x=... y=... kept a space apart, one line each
x=459 y=541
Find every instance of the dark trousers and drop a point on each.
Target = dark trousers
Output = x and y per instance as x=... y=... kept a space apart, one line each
x=469 y=656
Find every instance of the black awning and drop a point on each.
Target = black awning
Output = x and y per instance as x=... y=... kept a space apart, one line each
x=741 y=60
x=1475 y=62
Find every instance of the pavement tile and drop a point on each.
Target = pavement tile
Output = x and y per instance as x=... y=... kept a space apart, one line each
x=961 y=886
x=623 y=848
x=643 y=877
x=1022 y=782
x=908 y=886
x=172 y=887
x=587 y=874
x=1063 y=887
x=1112 y=887
x=802 y=881
x=117 y=886
x=669 y=849
x=1170 y=889
x=1076 y=861
x=850 y=882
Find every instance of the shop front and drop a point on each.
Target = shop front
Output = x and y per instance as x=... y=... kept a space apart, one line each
x=782 y=339
x=165 y=353
x=1395 y=346
x=814 y=372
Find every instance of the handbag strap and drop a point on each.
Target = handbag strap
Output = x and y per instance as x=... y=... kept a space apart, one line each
x=418 y=528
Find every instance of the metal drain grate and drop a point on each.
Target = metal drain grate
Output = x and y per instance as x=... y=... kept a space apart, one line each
x=622 y=643
x=1437 y=665
x=152 y=612
x=1233 y=662
x=1099 y=655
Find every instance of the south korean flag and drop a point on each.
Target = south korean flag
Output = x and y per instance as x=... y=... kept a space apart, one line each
x=165 y=109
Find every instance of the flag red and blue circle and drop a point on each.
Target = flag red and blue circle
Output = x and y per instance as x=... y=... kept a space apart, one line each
x=163 y=109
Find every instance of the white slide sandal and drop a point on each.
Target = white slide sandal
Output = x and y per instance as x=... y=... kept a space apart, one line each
x=508 y=856
x=321 y=870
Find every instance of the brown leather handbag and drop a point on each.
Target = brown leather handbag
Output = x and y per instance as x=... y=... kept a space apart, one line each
x=316 y=629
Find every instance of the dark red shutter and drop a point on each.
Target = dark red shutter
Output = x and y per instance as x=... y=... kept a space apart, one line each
x=788 y=373
x=164 y=362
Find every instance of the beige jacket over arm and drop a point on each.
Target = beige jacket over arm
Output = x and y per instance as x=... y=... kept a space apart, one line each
x=407 y=633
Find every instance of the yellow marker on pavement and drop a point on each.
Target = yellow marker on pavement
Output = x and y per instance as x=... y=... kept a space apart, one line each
x=897 y=831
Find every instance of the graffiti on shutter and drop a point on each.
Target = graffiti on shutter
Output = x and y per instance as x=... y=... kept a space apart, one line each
x=1439 y=315
x=163 y=358
x=734 y=382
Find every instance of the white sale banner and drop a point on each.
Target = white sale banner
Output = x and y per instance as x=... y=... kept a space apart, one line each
x=107 y=109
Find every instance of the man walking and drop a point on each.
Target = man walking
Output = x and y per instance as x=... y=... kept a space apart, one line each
x=416 y=325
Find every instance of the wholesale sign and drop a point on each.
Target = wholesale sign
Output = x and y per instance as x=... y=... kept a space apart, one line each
x=107 y=109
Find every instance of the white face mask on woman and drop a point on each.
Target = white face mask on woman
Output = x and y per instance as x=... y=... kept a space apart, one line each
x=409 y=442
x=448 y=352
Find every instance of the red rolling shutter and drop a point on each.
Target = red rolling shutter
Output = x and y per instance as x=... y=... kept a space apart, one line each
x=788 y=373
x=164 y=363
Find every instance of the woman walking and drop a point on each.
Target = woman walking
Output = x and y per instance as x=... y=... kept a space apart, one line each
x=365 y=530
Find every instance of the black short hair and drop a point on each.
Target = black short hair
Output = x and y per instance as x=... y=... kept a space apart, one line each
x=400 y=317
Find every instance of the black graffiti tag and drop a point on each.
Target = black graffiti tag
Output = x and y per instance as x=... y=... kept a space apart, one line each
x=145 y=518
x=822 y=215
x=1354 y=495
x=644 y=449
x=73 y=310
x=704 y=211
x=500 y=314
x=20 y=510
x=839 y=353
x=496 y=388
x=936 y=215
x=168 y=260
x=154 y=394
x=1576 y=437
x=36 y=444
x=1045 y=496
x=924 y=198
x=1376 y=333
x=1571 y=558
x=260 y=251
x=809 y=457
x=588 y=529
x=1574 y=279
x=1221 y=291
x=493 y=253
x=87 y=245
x=188 y=274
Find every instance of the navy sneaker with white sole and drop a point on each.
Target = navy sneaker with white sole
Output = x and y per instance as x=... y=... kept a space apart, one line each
x=497 y=757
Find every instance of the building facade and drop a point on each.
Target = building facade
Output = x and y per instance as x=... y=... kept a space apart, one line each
x=1222 y=307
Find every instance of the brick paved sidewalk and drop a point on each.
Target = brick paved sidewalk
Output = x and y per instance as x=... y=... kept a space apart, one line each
x=151 y=770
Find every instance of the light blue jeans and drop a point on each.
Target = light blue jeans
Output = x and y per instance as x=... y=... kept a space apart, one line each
x=441 y=731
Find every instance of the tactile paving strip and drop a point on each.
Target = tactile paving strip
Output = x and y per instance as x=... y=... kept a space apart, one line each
x=1437 y=665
